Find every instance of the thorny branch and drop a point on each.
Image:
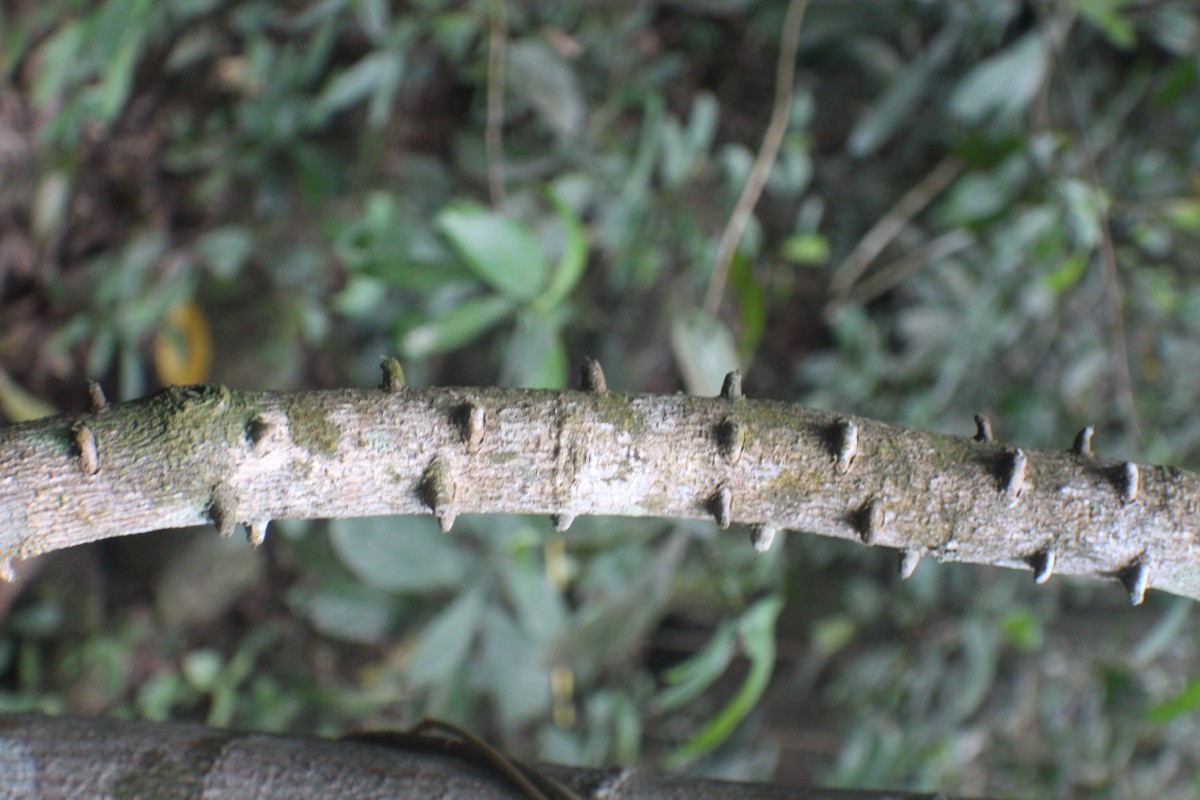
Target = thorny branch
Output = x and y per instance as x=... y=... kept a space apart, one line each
x=191 y=455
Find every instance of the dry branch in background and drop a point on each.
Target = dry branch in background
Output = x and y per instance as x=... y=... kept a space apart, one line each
x=197 y=454
x=46 y=758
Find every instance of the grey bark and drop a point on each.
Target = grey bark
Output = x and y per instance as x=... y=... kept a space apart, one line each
x=190 y=455
x=47 y=758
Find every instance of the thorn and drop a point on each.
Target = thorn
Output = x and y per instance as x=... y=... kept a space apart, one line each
x=256 y=532
x=393 y=374
x=731 y=438
x=1083 y=442
x=721 y=506
x=763 y=536
x=471 y=421
x=847 y=446
x=869 y=521
x=1014 y=484
x=1043 y=565
x=6 y=570
x=1131 y=479
x=908 y=563
x=983 y=428
x=592 y=377
x=562 y=521
x=85 y=442
x=1136 y=579
x=258 y=431
x=731 y=389
x=96 y=396
x=222 y=510
x=438 y=490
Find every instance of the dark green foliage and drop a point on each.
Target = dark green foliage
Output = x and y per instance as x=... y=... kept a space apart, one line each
x=314 y=177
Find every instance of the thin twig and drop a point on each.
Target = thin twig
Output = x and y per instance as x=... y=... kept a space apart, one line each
x=892 y=273
x=891 y=224
x=1122 y=375
x=494 y=141
x=785 y=77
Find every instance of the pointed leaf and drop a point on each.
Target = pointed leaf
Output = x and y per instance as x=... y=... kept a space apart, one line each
x=398 y=554
x=446 y=641
x=502 y=252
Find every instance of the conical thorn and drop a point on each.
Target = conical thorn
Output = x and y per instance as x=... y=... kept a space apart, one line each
x=1043 y=565
x=592 y=377
x=1136 y=579
x=6 y=570
x=731 y=389
x=1083 y=442
x=393 y=374
x=763 y=536
x=847 y=447
x=909 y=559
x=256 y=532
x=96 y=396
x=1131 y=479
x=472 y=421
x=562 y=522
x=721 y=506
x=731 y=438
x=222 y=511
x=259 y=431
x=869 y=521
x=438 y=490
x=1014 y=482
x=983 y=428
x=85 y=444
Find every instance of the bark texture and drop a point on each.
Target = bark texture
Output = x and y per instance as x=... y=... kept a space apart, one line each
x=47 y=758
x=197 y=454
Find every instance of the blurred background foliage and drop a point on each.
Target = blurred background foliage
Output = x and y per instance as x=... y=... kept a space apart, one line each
x=986 y=205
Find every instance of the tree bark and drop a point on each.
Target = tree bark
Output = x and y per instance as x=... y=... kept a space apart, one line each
x=190 y=455
x=48 y=758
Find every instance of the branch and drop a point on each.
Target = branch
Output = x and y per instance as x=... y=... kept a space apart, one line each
x=47 y=757
x=198 y=454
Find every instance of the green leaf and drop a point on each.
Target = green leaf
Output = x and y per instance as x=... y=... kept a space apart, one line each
x=756 y=630
x=1185 y=702
x=201 y=668
x=398 y=554
x=751 y=304
x=1068 y=273
x=569 y=268
x=1005 y=83
x=376 y=75
x=806 y=248
x=225 y=250
x=1022 y=630
x=690 y=678
x=538 y=75
x=348 y=611
x=536 y=357
x=607 y=629
x=502 y=252
x=513 y=672
x=1106 y=15
x=1184 y=214
x=446 y=641
x=704 y=350
x=461 y=325
x=538 y=606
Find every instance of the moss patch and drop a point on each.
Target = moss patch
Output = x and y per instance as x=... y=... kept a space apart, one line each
x=310 y=426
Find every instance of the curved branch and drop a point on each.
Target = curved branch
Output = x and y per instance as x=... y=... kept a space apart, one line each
x=191 y=455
